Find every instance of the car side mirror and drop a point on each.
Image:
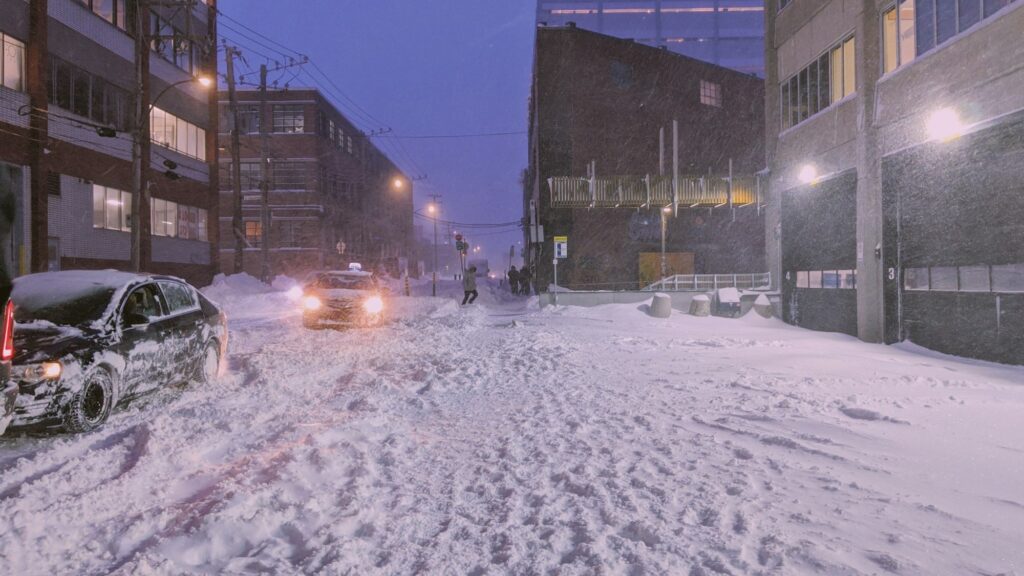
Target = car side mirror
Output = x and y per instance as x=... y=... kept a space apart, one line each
x=133 y=319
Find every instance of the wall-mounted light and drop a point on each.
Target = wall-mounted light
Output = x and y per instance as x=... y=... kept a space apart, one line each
x=808 y=174
x=945 y=124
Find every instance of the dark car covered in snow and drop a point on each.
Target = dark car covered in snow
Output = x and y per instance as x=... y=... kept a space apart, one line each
x=86 y=341
x=341 y=298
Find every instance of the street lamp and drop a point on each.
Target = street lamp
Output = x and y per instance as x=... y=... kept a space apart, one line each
x=398 y=183
x=140 y=133
x=432 y=208
x=808 y=174
x=664 y=226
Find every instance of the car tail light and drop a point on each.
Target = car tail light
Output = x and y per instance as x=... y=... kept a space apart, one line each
x=7 y=353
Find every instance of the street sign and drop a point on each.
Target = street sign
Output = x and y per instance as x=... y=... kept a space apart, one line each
x=561 y=246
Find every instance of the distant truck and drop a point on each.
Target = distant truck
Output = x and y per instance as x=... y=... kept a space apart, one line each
x=481 y=266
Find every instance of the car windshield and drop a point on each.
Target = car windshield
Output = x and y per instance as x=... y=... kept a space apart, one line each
x=76 y=309
x=335 y=282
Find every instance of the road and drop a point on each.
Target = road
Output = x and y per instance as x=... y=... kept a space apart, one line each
x=501 y=439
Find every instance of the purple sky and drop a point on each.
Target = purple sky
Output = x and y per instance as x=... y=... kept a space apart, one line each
x=421 y=68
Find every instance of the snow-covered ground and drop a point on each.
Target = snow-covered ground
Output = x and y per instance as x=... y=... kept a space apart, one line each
x=501 y=439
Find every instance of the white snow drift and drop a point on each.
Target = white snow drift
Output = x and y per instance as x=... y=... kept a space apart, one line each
x=490 y=439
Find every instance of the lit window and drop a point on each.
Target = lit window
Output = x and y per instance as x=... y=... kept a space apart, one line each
x=111 y=208
x=823 y=82
x=12 y=65
x=253 y=234
x=710 y=93
x=163 y=218
x=179 y=135
x=899 y=35
x=802 y=280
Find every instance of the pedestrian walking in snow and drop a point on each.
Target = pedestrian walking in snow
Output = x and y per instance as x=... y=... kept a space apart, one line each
x=469 y=286
x=524 y=281
x=513 y=280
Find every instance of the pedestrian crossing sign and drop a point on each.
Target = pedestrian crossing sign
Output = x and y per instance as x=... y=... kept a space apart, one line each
x=561 y=246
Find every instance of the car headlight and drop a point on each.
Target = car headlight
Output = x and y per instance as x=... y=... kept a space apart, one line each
x=373 y=304
x=33 y=373
x=311 y=303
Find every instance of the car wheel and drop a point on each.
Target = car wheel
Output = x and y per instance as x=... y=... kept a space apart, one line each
x=209 y=364
x=91 y=406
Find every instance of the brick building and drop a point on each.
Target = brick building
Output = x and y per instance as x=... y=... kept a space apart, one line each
x=895 y=140
x=66 y=115
x=600 y=103
x=335 y=198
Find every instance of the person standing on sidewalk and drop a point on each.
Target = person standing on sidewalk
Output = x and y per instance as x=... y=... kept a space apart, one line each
x=469 y=286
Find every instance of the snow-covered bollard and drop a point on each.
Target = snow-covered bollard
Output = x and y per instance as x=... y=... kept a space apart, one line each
x=700 y=305
x=661 y=306
x=763 y=306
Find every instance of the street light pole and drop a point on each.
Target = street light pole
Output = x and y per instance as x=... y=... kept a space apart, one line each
x=433 y=208
x=140 y=136
x=433 y=284
x=664 y=227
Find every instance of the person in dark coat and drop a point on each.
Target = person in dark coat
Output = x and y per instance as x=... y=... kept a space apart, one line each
x=469 y=286
x=524 y=281
x=513 y=280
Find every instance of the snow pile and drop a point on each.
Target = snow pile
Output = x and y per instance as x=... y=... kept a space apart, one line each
x=728 y=296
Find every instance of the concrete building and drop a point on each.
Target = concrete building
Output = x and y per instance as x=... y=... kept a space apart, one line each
x=66 y=118
x=895 y=141
x=729 y=33
x=335 y=198
x=604 y=107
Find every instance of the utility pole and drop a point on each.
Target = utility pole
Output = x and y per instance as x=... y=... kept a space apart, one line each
x=264 y=177
x=140 y=136
x=237 y=225
x=38 y=126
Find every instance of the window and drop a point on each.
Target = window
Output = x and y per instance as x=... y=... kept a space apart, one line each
x=143 y=301
x=113 y=11
x=179 y=298
x=177 y=134
x=178 y=220
x=289 y=118
x=12 y=64
x=936 y=21
x=249 y=119
x=111 y=208
x=915 y=279
x=1008 y=278
x=974 y=279
x=830 y=279
x=164 y=217
x=898 y=35
x=77 y=91
x=289 y=234
x=944 y=278
x=847 y=279
x=802 y=280
x=825 y=81
x=710 y=93
x=289 y=175
x=254 y=234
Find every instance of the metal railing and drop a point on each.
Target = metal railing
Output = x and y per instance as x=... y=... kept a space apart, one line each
x=710 y=282
x=653 y=192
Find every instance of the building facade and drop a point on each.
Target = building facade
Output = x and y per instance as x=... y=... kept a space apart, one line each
x=601 y=163
x=895 y=140
x=66 y=131
x=729 y=33
x=334 y=197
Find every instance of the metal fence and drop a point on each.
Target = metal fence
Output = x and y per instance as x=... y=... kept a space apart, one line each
x=710 y=282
